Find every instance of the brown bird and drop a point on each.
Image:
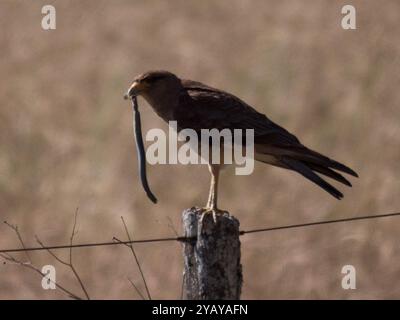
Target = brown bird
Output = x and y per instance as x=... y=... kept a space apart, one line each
x=197 y=106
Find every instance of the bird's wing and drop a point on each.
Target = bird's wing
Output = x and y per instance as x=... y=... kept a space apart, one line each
x=204 y=107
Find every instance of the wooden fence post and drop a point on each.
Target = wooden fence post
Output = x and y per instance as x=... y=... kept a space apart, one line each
x=212 y=262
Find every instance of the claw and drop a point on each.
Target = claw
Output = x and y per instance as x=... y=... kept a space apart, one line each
x=213 y=211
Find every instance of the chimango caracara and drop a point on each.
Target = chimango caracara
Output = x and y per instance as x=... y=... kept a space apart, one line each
x=197 y=106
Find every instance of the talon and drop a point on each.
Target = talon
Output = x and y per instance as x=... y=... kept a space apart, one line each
x=213 y=211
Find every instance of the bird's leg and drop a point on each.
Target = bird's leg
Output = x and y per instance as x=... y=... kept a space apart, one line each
x=212 y=190
x=214 y=186
x=211 y=206
x=210 y=194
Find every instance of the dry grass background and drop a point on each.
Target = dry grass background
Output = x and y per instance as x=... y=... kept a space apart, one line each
x=66 y=139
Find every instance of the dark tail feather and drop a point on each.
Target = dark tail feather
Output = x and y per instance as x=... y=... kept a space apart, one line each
x=308 y=155
x=341 y=167
x=305 y=171
x=328 y=172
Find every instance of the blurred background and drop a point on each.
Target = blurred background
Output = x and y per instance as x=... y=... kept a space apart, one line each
x=66 y=140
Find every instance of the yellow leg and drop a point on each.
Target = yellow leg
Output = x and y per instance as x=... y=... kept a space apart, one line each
x=214 y=169
x=211 y=206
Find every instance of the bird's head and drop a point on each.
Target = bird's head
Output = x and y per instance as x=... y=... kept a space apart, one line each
x=152 y=84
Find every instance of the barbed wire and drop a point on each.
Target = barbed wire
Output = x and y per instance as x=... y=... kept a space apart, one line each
x=191 y=239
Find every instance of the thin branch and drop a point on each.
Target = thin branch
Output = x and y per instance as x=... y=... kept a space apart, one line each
x=50 y=252
x=136 y=289
x=70 y=256
x=171 y=226
x=120 y=242
x=73 y=233
x=68 y=264
x=15 y=228
x=136 y=258
x=29 y=264
x=133 y=285
x=13 y=260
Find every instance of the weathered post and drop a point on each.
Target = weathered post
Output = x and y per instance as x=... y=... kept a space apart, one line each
x=212 y=261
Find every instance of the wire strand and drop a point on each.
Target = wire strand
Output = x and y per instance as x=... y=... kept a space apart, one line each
x=292 y=226
x=190 y=239
x=96 y=244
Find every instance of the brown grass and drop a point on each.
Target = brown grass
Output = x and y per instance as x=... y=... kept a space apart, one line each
x=66 y=139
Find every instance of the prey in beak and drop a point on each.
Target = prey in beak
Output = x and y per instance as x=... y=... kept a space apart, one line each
x=149 y=85
x=139 y=142
x=135 y=89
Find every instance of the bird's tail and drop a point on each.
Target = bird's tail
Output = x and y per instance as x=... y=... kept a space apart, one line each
x=307 y=172
x=308 y=163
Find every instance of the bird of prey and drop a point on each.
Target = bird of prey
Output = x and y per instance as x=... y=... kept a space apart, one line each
x=198 y=106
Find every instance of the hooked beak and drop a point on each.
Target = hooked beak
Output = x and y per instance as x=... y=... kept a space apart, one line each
x=134 y=90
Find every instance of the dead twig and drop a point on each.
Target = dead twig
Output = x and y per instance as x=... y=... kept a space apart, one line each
x=28 y=264
x=132 y=283
x=171 y=226
x=12 y=259
x=69 y=263
x=130 y=245
x=15 y=228
x=136 y=288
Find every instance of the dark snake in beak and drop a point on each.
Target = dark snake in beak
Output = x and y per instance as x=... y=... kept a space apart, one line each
x=140 y=150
